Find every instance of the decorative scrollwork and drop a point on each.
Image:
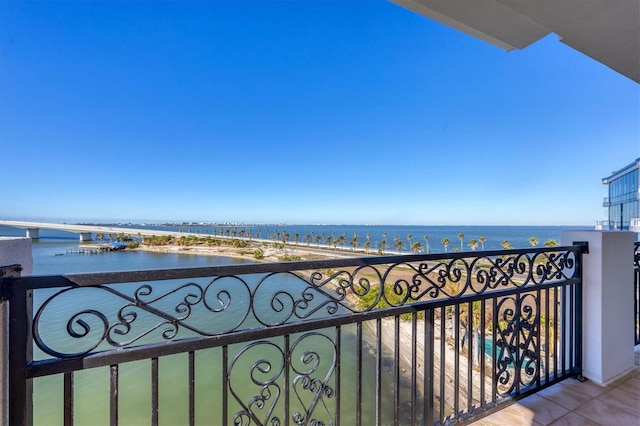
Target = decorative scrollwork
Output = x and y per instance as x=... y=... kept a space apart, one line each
x=516 y=361
x=103 y=316
x=311 y=375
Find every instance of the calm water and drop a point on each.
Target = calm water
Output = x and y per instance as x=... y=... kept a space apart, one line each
x=57 y=242
x=92 y=386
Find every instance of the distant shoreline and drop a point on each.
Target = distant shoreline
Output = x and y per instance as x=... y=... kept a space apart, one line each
x=269 y=253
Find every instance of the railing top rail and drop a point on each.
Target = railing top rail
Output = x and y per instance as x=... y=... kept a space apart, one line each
x=103 y=278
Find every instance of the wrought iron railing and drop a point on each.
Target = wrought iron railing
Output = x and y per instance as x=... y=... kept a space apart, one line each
x=413 y=339
x=636 y=290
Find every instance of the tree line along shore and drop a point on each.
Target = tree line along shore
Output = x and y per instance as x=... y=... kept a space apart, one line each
x=291 y=247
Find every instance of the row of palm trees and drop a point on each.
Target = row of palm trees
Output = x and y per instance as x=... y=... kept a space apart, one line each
x=355 y=242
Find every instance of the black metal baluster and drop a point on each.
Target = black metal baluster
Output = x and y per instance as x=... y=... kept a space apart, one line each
x=192 y=392
x=414 y=368
x=396 y=371
x=68 y=399
x=537 y=338
x=494 y=362
x=338 y=372
x=515 y=355
x=469 y=341
x=556 y=335
x=225 y=385
x=483 y=372
x=547 y=342
x=359 y=374
x=443 y=358
x=378 y=371
x=113 y=395
x=572 y=326
x=154 y=391
x=565 y=325
x=456 y=363
x=287 y=381
x=428 y=372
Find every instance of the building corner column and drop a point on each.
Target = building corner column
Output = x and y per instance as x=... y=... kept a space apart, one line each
x=607 y=303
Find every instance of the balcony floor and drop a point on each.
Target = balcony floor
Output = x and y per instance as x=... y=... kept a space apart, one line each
x=574 y=403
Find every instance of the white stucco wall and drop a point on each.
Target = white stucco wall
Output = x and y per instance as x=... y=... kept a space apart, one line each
x=607 y=295
x=15 y=250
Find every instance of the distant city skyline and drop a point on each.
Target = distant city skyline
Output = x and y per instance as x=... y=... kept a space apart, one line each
x=298 y=112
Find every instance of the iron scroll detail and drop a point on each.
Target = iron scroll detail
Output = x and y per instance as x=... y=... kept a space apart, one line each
x=122 y=315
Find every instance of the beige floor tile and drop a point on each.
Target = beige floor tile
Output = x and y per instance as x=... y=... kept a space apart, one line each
x=622 y=399
x=587 y=388
x=631 y=385
x=508 y=416
x=606 y=413
x=544 y=411
x=574 y=419
x=566 y=396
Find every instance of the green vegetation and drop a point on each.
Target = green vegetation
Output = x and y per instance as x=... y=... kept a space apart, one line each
x=188 y=240
x=289 y=258
x=369 y=299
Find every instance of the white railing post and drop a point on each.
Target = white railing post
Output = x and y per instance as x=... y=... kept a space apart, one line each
x=607 y=304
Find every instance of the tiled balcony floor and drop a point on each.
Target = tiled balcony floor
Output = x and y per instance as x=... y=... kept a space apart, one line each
x=574 y=403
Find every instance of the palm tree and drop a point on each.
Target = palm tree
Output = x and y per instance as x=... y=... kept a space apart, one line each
x=473 y=244
x=307 y=239
x=296 y=238
x=409 y=237
x=533 y=241
x=461 y=237
x=550 y=243
x=342 y=239
x=445 y=244
x=426 y=244
x=482 y=240
x=382 y=245
x=316 y=239
x=416 y=247
x=354 y=241
x=506 y=245
x=367 y=246
x=399 y=244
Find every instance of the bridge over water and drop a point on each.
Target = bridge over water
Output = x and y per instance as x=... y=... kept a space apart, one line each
x=85 y=231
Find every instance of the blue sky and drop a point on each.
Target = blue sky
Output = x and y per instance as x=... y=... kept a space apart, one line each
x=301 y=112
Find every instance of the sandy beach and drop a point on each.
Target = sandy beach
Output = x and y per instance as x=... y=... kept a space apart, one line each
x=269 y=253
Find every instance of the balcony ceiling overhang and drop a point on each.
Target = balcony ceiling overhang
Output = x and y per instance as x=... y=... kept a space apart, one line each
x=605 y=30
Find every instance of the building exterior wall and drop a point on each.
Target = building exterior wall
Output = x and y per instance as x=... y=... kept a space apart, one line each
x=623 y=197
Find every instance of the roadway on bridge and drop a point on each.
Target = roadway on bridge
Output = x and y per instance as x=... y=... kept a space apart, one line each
x=94 y=229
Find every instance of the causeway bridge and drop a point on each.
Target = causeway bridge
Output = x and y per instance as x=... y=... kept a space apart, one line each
x=85 y=231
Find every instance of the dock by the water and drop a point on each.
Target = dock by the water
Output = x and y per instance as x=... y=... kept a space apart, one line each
x=93 y=249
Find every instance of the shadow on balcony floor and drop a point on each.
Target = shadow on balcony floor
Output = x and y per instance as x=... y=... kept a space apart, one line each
x=574 y=403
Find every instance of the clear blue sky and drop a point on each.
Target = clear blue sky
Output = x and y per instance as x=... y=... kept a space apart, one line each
x=301 y=112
